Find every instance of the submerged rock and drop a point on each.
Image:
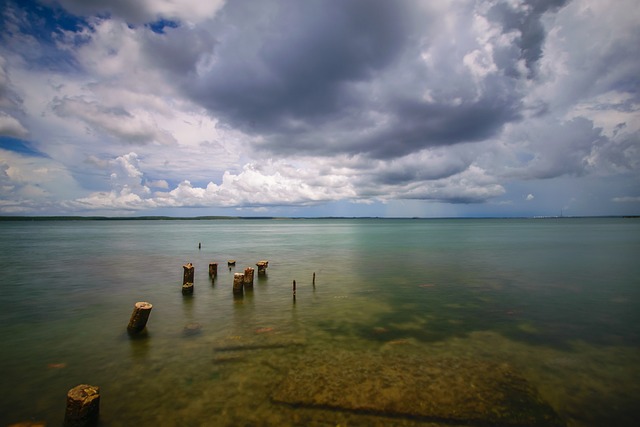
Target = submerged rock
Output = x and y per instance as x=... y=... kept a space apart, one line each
x=446 y=390
x=60 y=365
x=192 y=329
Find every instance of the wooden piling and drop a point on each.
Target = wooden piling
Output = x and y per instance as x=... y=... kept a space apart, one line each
x=248 y=277
x=213 y=269
x=294 y=288
x=187 y=279
x=139 y=317
x=262 y=266
x=188 y=273
x=187 y=289
x=314 y=278
x=238 y=283
x=83 y=406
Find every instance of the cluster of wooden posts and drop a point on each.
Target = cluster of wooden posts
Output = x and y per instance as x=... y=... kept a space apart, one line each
x=240 y=280
x=83 y=401
x=141 y=310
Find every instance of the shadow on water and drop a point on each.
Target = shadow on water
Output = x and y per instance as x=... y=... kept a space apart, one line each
x=248 y=295
x=187 y=305
x=238 y=300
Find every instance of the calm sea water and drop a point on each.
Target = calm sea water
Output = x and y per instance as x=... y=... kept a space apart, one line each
x=557 y=299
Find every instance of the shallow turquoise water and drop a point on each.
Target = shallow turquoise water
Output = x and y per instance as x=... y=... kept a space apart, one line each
x=559 y=299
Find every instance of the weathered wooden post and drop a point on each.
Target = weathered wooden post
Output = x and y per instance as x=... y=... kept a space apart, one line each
x=213 y=269
x=294 y=291
x=238 y=282
x=187 y=289
x=187 y=280
x=83 y=406
x=314 y=278
x=188 y=273
x=139 y=317
x=248 y=277
x=262 y=267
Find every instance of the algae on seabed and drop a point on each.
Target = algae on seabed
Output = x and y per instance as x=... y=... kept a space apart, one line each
x=449 y=390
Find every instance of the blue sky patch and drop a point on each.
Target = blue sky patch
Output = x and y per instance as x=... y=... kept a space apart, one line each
x=160 y=25
x=19 y=146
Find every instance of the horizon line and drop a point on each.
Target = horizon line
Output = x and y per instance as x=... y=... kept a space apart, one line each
x=238 y=217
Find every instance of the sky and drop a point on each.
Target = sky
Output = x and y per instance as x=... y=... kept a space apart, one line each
x=448 y=108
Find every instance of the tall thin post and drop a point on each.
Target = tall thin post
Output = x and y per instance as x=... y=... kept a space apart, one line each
x=238 y=283
x=248 y=277
x=188 y=273
x=187 y=279
x=213 y=269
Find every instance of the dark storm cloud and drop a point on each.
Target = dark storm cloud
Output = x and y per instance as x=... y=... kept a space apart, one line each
x=527 y=21
x=347 y=77
x=422 y=124
x=293 y=61
x=558 y=149
x=419 y=170
x=177 y=50
x=620 y=154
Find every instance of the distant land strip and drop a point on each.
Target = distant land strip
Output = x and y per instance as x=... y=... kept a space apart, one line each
x=120 y=218
x=211 y=218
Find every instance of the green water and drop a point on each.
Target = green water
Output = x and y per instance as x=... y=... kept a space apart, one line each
x=557 y=299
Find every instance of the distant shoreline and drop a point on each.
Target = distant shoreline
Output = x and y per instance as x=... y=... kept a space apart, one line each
x=216 y=218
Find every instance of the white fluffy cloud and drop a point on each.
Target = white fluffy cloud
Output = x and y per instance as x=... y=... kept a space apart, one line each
x=270 y=184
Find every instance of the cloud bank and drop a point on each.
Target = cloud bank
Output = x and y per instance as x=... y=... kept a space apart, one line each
x=466 y=107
